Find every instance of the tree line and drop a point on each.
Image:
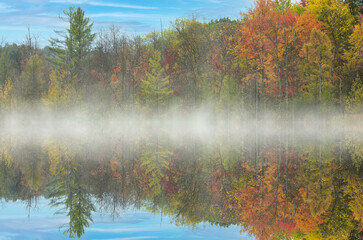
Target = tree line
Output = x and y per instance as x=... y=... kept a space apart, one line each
x=279 y=56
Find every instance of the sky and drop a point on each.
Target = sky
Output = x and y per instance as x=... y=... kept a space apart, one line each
x=131 y=16
x=42 y=224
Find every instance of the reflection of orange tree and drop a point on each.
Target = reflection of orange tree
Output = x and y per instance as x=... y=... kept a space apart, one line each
x=305 y=221
x=255 y=203
x=155 y=160
x=265 y=216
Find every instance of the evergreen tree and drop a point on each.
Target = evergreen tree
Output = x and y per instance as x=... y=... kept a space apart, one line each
x=155 y=88
x=71 y=50
x=32 y=83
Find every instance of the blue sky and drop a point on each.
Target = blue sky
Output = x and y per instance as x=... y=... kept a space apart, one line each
x=131 y=224
x=131 y=16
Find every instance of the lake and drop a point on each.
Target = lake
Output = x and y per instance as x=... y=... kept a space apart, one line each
x=250 y=182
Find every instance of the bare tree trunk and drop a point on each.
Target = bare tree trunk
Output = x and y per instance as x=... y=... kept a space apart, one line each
x=286 y=78
x=320 y=84
x=296 y=85
x=278 y=72
x=341 y=96
x=256 y=119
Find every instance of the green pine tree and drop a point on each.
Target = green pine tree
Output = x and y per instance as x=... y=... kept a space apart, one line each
x=32 y=83
x=155 y=87
x=71 y=50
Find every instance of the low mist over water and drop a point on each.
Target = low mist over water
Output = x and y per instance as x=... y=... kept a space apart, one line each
x=262 y=178
x=201 y=124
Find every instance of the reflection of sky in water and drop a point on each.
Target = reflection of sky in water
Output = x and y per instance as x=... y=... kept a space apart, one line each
x=43 y=224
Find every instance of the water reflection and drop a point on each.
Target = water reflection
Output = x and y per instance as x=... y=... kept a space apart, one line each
x=273 y=186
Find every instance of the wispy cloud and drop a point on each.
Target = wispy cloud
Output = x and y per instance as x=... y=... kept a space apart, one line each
x=5 y=8
x=120 y=5
x=143 y=237
x=122 y=15
x=131 y=238
x=212 y=1
x=4 y=5
x=120 y=230
x=103 y=4
x=33 y=20
x=35 y=1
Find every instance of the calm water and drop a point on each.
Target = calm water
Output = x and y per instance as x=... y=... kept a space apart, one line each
x=252 y=185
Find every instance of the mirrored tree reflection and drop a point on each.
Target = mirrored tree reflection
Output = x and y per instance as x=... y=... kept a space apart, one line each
x=69 y=192
x=284 y=186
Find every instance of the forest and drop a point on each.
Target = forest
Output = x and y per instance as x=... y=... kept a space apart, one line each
x=281 y=57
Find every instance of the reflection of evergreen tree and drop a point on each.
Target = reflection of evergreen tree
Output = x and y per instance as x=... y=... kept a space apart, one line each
x=155 y=159
x=4 y=176
x=70 y=192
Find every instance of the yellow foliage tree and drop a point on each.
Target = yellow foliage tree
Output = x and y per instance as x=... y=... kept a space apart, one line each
x=60 y=93
x=7 y=99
